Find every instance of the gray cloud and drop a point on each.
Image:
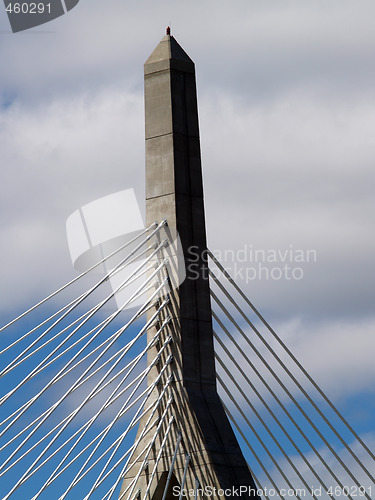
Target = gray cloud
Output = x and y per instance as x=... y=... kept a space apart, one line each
x=287 y=118
x=299 y=174
x=57 y=157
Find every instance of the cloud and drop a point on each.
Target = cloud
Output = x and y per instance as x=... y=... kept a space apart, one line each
x=338 y=355
x=257 y=50
x=286 y=110
x=286 y=102
x=287 y=106
x=321 y=471
x=344 y=372
x=56 y=157
x=299 y=173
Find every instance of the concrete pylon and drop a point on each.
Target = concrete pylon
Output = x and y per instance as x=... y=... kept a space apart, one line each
x=174 y=192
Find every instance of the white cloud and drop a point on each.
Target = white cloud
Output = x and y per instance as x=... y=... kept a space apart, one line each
x=58 y=156
x=321 y=471
x=338 y=356
x=299 y=173
x=287 y=110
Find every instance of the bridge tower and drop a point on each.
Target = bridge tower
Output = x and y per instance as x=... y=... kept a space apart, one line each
x=174 y=192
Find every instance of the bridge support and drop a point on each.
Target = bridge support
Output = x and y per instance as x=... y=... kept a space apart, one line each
x=174 y=192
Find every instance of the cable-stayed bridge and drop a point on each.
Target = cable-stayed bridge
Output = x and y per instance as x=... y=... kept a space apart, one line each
x=171 y=382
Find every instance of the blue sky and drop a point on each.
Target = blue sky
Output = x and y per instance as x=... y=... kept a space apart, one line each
x=287 y=113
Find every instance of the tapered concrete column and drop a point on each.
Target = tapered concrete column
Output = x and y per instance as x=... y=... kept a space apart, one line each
x=174 y=192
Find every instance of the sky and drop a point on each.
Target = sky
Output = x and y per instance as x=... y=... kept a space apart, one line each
x=287 y=118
